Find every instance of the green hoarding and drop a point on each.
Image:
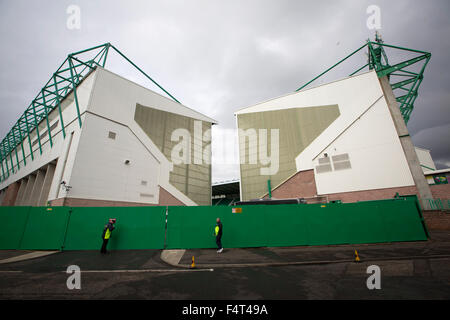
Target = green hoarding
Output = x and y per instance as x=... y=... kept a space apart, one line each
x=45 y=228
x=295 y=225
x=80 y=228
x=12 y=226
x=136 y=228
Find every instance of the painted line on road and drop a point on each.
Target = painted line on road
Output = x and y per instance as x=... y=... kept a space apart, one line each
x=146 y=270
x=123 y=271
x=28 y=256
x=305 y=263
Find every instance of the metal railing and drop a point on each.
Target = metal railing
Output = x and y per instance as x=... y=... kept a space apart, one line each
x=436 y=204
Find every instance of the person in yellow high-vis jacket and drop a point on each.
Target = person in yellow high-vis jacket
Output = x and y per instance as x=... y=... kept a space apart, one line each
x=107 y=234
x=218 y=234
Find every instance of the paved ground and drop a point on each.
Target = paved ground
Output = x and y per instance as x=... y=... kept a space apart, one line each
x=438 y=247
x=141 y=274
x=6 y=254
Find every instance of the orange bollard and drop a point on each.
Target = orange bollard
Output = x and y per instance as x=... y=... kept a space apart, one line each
x=357 y=259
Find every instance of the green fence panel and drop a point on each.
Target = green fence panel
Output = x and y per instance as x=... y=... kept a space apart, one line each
x=362 y=223
x=294 y=225
x=45 y=228
x=324 y=223
x=80 y=228
x=12 y=226
x=136 y=228
x=404 y=221
x=245 y=228
x=252 y=226
x=286 y=225
x=193 y=227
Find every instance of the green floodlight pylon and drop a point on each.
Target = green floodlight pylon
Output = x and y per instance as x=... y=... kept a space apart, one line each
x=64 y=81
x=405 y=90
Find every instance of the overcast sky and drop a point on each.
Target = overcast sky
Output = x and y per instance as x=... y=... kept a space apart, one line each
x=219 y=56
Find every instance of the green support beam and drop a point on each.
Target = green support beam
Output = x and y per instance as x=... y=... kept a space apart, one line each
x=403 y=83
x=74 y=88
x=23 y=151
x=148 y=77
x=10 y=154
x=46 y=120
x=3 y=172
x=29 y=138
x=4 y=158
x=269 y=189
x=332 y=67
x=58 y=101
x=378 y=61
x=401 y=65
x=37 y=128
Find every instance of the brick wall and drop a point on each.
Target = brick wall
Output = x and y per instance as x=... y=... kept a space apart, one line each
x=441 y=191
x=437 y=220
x=11 y=194
x=367 y=195
x=301 y=185
x=167 y=199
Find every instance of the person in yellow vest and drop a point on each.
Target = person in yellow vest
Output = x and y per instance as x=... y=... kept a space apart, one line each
x=218 y=234
x=107 y=234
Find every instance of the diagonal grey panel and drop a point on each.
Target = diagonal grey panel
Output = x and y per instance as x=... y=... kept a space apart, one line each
x=298 y=127
x=194 y=180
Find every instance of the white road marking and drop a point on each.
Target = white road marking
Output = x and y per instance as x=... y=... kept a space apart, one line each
x=145 y=270
x=121 y=271
x=172 y=257
x=27 y=256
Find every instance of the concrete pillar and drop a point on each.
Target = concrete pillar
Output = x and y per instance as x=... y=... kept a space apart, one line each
x=11 y=194
x=26 y=200
x=2 y=195
x=37 y=188
x=20 y=194
x=60 y=168
x=405 y=139
x=43 y=197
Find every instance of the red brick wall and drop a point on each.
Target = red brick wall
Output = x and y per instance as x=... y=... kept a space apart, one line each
x=57 y=202
x=301 y=185
x=367 y=195
x=11 y=194
x=167 y=199
x=441 y=191
x=437 y=220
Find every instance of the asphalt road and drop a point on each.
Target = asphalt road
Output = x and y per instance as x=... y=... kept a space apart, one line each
x=140 y=274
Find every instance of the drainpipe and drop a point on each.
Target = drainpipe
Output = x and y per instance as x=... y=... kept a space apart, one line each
x=269 y=188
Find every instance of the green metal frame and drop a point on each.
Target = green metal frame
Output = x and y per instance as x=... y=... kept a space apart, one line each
x=62 y=83
x=406 y=90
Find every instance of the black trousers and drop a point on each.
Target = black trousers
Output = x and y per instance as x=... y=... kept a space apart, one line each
x=105 y=243
x=219 y=242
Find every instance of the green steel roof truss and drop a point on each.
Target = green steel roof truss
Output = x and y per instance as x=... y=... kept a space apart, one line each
x=62 y=83
x=408 y=88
